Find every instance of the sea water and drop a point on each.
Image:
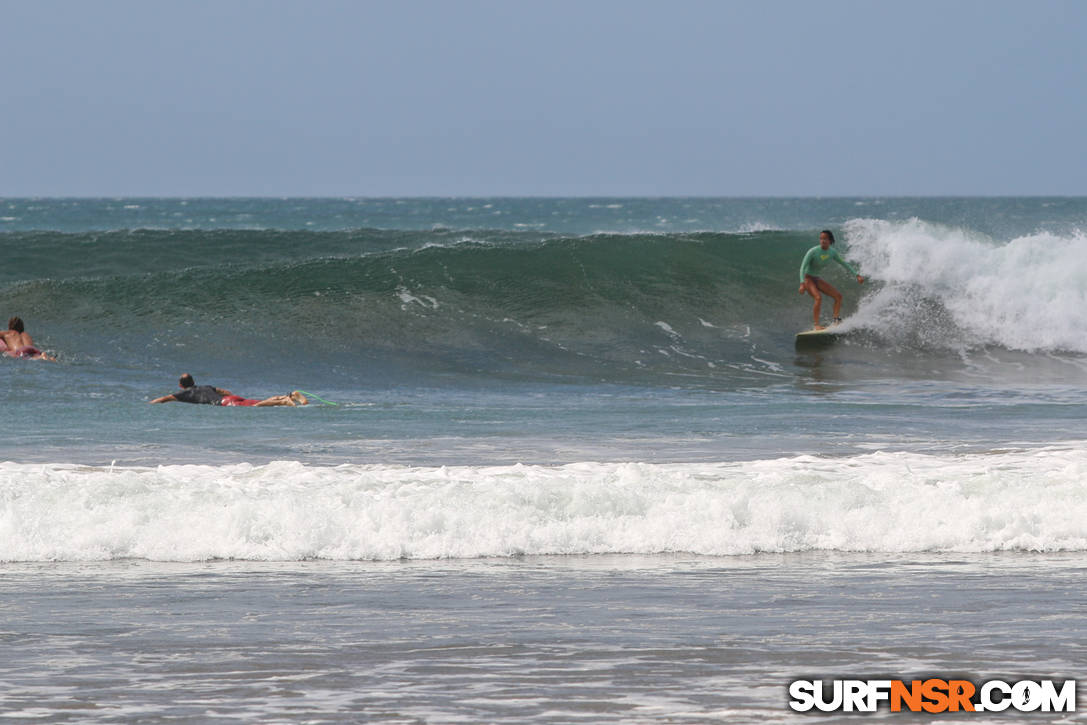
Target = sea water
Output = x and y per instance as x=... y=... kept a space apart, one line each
x=576 y=468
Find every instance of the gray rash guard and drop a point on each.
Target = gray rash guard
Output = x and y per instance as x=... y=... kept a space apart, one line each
x=205 y=394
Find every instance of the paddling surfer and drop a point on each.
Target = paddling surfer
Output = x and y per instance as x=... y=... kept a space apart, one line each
x=210 y=395
x=16 y=342
x=814 y=261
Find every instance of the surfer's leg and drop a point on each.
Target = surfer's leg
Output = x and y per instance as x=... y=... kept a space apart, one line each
x=828 y=288
x=812 y=288
x=295 y=398
x=275 y=400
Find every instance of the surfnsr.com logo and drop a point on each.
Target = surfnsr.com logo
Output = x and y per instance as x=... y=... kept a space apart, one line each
x=933 y=695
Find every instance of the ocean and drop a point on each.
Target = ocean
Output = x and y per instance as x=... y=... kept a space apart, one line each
x=563 y=460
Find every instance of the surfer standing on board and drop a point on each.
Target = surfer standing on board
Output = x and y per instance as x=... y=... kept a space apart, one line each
x=813 y=262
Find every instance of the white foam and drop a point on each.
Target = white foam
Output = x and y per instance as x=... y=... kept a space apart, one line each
x=887 y=502
x=756 y=227
x=465 y=240
x=407 y=298
x=666 y=327
x=1029 y=293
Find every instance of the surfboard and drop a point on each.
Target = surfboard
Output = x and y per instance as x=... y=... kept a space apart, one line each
x=817 y=338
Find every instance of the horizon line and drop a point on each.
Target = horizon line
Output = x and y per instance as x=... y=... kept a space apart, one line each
x=102 y=197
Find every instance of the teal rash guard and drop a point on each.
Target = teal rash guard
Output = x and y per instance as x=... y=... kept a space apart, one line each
x=817 y=258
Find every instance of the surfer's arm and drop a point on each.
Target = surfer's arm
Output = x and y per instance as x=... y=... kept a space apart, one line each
x=222 y=392
x=164 y=399
x=847 y=265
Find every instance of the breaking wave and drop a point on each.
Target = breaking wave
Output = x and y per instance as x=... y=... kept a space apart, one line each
x=884 y=502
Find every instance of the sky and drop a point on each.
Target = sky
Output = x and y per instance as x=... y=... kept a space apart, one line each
x=548 y=98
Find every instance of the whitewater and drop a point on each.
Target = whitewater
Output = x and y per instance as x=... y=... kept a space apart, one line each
x=1028 y=293
x=285 y=511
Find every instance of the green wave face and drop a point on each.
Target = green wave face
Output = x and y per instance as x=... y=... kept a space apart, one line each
x=545 y=304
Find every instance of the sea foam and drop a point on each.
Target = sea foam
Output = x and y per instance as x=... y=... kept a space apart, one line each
x=1031 y=500
x=1029 y=293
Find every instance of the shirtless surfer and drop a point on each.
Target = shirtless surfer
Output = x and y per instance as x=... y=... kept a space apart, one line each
x=209 y=395
x=813 y=262
x=18 y=343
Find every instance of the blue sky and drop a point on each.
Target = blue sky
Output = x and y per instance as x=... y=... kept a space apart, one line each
x=596 y=97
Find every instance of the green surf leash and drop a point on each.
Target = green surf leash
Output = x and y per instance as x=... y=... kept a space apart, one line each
x=317 y=397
